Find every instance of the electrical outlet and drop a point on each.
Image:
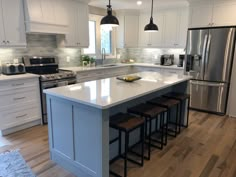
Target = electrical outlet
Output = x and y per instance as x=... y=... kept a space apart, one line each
x=68 y=59
x=15 y=60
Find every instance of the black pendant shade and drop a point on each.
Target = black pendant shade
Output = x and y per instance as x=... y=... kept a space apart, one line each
x=151 y=27
x=109 y=19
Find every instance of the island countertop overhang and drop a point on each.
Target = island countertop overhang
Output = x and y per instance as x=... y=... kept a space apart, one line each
x=109 y=92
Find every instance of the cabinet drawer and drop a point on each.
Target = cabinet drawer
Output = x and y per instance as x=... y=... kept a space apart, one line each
x=17 y=84
x=20 y=115
x=13 y=97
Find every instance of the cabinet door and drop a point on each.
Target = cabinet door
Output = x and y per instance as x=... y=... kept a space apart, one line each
x=144 y=37
x=182 y=28
x=171 y=28
x=83 y=25
x=200 y=16
x=120 y=32
x=71 y=37
x=224 y=14
x=131 y=30
x=2 y=34
x=13 y=17
x=156 y=38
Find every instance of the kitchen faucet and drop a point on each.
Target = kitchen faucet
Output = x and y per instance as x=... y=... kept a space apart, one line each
x=103 y=55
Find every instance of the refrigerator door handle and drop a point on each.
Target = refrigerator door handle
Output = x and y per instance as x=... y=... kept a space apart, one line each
x=207 y=53
x=203 y=55
x=207 y=84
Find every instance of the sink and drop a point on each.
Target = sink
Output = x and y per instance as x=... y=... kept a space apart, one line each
x=111 y=65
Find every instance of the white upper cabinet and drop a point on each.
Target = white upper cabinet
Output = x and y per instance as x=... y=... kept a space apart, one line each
x=172 y=33
x=12 y=30
x=156 y=38
x=128 y=31
x=220 y=13
x=144 y=37
x=224 y=14
x=78 y=30
x=83 y=26
x=46 y=16
x=171 y=28
x=200 y=16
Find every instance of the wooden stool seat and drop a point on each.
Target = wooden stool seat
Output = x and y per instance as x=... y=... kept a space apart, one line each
x=179 y=96
x=166 y=102
x=147 y=110
x=125 y=122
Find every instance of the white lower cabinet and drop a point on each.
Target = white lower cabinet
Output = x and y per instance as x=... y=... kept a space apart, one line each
x=19 y=103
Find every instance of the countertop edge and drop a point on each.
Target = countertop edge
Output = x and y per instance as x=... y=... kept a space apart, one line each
x=48 y=92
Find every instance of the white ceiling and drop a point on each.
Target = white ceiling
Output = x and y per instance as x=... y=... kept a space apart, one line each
x=131 y=4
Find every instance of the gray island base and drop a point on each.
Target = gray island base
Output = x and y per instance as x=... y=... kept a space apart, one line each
x=79 y=114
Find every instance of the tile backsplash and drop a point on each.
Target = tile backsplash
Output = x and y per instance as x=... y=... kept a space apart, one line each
x=42 y=45
x=148 y=55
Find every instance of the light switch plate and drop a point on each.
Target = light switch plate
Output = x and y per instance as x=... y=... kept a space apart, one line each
x=68 y=59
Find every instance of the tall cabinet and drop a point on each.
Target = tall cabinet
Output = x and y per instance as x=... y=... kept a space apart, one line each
x=12 y=28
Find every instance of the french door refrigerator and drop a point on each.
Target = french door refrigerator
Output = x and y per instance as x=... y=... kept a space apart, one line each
x=209 y=59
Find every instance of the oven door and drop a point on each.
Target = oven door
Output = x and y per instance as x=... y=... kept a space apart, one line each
x=48 y=85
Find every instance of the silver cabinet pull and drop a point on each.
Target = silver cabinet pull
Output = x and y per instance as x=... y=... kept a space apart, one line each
x=24 y=115
x=20 y=98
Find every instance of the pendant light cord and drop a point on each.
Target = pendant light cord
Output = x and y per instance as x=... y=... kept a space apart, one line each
x=151 y=9
x=109 y=5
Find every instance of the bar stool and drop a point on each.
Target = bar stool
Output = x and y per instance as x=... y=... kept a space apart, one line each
x=150 y=113
x=182 y=97
x=127 y=123
x=169 y=104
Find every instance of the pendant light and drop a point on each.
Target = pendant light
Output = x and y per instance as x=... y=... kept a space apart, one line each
x=151 y=27
x=109 y=20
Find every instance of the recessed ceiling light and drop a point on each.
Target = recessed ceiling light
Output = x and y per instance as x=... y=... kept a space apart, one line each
x=139 y=3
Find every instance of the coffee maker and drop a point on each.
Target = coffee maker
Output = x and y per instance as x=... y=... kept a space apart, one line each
x=167 y=60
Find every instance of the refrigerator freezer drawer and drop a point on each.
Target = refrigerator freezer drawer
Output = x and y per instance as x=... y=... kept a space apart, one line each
x=208 y=96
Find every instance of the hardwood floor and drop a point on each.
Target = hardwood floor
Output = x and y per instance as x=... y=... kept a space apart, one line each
x=206 y=149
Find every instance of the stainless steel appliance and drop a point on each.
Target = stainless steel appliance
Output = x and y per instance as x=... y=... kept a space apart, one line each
x=167 y=60
x=50 y=76
x=209 y=54
x=181 y=61
x=13 y=68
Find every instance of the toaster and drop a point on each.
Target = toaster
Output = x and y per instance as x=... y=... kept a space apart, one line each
x=11 y=69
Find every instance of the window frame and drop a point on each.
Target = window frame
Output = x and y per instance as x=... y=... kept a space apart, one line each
x=98 y=53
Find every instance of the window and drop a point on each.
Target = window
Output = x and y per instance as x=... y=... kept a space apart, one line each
x=92 y=38
x=99 y=38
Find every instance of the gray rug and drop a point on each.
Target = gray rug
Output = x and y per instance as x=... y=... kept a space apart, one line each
x=12 y=164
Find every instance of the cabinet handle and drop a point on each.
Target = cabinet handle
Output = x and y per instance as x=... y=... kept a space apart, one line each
x=21 y=116
x=4 y=42
x=8 y=42
x=14 y=85
x=20 y=98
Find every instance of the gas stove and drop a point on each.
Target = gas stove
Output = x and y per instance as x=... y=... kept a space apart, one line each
x=62 y=74
x=50 y=76
x=47 y=68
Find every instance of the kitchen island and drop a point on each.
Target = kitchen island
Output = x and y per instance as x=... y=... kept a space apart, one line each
x=79 y=114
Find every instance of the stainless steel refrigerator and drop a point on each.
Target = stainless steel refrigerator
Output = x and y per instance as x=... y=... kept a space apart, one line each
x=209 y=59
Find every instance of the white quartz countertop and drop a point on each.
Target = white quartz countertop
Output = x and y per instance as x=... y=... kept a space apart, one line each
x=106 y=93
x=17 y=76
x=81 y=69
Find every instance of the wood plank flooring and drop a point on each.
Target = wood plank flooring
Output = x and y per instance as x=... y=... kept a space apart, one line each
x=206 y=149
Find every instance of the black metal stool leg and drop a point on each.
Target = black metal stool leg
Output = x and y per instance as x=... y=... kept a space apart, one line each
x=120 y=142
x=142 y=144
x=126 y=153
x=187 y=112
